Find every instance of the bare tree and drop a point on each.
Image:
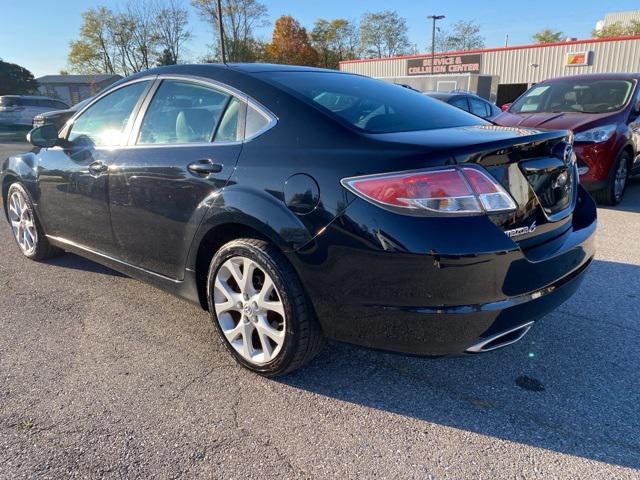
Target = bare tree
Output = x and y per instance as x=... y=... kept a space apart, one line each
x=241 y=18
x=171 y=29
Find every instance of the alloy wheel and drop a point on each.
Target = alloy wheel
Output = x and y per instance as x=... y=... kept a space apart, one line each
x=621 y=179
x=22 y=223
x=249 y=310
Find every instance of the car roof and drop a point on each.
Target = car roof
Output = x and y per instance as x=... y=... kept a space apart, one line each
x=37 y=97
x=450 y=95
x=596 y=76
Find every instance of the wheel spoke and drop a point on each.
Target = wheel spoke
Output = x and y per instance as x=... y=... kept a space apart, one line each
x=237 y=273
x=264 y=327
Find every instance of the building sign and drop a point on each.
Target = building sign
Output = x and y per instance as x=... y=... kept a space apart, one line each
x=445 y=64
x=578 y=59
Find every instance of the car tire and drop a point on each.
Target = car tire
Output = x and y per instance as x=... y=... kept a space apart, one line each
x=260 y=309
x=613 y=193
x=26 y=227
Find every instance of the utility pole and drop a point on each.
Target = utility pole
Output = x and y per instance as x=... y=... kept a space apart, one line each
x=433 y=40
x=223 y=53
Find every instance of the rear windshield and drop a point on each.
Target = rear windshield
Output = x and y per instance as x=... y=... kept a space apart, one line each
x=373 y=105
x=584 y=96
x=10 y=101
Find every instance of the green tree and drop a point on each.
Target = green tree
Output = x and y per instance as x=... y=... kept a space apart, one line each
x=617 y=29
x=465 y=35
x=290 y=44
x=384 y=34
x=240 y=19
x=334 y=40
x=547 y=36
x=16 y=80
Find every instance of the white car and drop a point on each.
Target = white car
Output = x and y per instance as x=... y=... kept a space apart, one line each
x=20 y=109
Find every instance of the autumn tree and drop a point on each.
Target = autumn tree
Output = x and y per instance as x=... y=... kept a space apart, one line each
x=16 y=80
x=290 y=44
x=240 y=19
x=547 y=36
x=130 y=40
x=384 y=34
x=94 y=51
x=618 y=29
x=335 y=40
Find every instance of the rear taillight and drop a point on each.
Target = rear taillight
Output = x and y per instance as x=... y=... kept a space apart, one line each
x=445 y=191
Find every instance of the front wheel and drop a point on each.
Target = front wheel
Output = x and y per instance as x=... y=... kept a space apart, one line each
x=260 y=309
x=27 y=231
x=614 y=191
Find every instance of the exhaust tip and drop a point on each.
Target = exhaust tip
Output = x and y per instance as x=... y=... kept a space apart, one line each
x=501 y=339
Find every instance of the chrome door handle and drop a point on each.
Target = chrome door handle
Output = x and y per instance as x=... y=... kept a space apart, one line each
x=98 y=167
x=204 y=167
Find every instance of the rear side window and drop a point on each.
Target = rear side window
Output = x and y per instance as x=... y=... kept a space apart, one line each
x=256 y=121
x=371 y=105
x=105 y=122
x=460 y=102
x=479 y=108
x=182 y=112
x=228 y=130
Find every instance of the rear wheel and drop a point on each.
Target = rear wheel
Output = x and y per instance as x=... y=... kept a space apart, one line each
x=26 y=228
x=614 y=191
x=260 y=308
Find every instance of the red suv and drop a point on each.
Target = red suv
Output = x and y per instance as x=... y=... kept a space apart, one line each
x=603 y=112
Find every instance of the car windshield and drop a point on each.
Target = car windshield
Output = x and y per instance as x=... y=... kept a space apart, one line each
x=372 y=105
x=582 y=96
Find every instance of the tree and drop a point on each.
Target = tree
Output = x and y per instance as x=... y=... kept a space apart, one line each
x=290 y=43
x=465 y=35
x=94 y=52
x=240 y=19
x=384 y=34
x=617 y=29
x=547 y=36
x=172 y=32
x=334 y=40
x=16 y=80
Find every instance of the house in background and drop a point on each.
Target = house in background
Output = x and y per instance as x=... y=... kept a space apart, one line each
x=72 y=89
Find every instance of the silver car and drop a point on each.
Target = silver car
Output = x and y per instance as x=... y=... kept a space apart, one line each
x=20 y=109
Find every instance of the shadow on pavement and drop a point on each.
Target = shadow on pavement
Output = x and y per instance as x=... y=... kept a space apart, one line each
x=75 y=262
x=572 y=385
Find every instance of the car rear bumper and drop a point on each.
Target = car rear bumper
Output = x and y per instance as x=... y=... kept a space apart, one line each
x=441 y=303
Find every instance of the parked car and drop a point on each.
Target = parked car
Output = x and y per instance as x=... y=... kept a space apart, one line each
x=296 y=203
x=20 y=109
x=468 y=102
x=58 y=117
x=603 y=112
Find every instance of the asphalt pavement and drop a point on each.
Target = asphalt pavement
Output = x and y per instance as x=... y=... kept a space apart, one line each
x=102 y=376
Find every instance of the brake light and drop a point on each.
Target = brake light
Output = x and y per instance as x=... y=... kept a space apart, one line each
x=447 y=191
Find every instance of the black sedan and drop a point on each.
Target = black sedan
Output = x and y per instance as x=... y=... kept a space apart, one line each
x=58 y=117
x=296 y=204
x=469 y=103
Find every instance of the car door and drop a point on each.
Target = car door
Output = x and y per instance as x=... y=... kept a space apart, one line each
x=182 y=151
x=73 y=181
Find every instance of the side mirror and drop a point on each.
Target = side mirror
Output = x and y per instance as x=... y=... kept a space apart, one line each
x=45 y=136
x=505 y=107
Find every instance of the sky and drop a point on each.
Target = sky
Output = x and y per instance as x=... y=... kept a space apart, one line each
x=36 y=33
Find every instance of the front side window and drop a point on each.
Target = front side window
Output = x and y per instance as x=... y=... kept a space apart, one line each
x=105 y=122
x=371 y=105
x=182 y=112
x=582 y=96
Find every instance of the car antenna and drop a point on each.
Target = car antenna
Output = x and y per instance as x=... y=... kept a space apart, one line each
x=221 y=32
